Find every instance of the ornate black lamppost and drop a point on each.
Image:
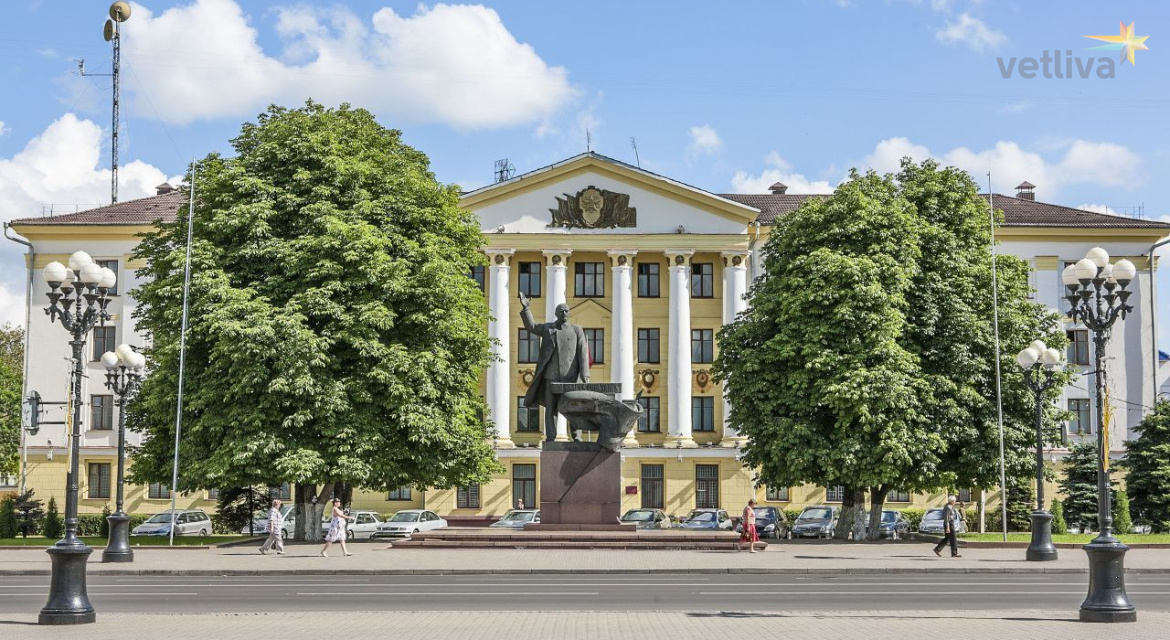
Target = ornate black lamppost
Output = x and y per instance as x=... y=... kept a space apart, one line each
x=1040 y=365
x=1097 y=292
x=78 y=300
x=123 y=376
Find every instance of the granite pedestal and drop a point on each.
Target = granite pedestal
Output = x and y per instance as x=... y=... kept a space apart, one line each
x=580 y=487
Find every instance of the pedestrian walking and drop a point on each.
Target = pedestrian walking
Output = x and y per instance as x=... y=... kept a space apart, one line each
x=749 y=533
x=519 y=503
x=950 y=520
x=336 y=531
x=275 y=530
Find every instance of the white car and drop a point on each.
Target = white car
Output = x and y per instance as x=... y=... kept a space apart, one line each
x=260 y=523
x=408 y=522
x=187 y=523
x=362 y=525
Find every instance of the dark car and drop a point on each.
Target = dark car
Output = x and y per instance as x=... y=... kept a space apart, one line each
x=894 y=524
x=815 y=522
x=770 y=523
x=707 y=519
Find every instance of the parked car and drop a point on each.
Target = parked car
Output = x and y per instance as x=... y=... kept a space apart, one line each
x=932 y=522
x=646 y=519
x=894 y=524
x=192 y=522
x=707 y=519
x=815 y=522
x=770 y=523
x=408 y=522
x=363 y=526
x=517 y=518
x=260 y=523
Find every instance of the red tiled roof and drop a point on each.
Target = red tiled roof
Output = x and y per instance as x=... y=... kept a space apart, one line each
x=131 y=212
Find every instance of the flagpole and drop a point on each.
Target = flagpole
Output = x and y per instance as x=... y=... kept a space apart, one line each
x=998 y=384
x=182 y=353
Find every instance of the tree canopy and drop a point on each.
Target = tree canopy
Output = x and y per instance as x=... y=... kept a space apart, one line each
x=1147 y=465
x=11 y=388
x=866 y=356
x=335 y=336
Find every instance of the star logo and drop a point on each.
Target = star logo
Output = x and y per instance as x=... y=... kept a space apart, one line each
x=1125 y=41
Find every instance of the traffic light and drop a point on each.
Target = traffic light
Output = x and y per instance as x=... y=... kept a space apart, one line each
x=30 y=414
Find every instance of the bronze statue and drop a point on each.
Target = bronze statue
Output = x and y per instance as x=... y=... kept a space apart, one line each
x=564 y=357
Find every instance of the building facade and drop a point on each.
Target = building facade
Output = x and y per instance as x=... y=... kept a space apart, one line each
x=651 y=268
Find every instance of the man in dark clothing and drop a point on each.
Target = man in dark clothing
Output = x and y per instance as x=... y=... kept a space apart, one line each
x=950 y=517
x=564 y=357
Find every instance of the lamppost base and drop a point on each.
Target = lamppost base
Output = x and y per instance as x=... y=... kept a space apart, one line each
x=118 y=548
x=1107 y=600
x=68 y=599
x=1041 y=549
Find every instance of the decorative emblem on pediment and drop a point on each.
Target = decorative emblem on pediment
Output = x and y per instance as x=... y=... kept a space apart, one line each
x=593 y=208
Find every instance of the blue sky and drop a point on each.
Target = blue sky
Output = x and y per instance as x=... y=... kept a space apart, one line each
x=726 y=96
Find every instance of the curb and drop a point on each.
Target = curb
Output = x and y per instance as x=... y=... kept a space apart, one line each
x=675 y=571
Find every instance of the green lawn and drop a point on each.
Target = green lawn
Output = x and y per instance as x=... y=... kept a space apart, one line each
x=135 y=541
x=1154 y=538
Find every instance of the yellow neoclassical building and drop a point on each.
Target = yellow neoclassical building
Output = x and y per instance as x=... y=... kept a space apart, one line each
x=650 y=267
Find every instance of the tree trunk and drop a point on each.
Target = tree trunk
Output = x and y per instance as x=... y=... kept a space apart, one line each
x=851 y=523
x=877 y=500
x=310 y=508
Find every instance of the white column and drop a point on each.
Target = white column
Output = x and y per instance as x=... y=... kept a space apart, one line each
x=622 y=328
x=678 y=414
x=555 y=275
x=734 y=289
x=499 y=388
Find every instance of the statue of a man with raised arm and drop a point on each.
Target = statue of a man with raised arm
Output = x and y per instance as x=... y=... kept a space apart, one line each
x=564 y=357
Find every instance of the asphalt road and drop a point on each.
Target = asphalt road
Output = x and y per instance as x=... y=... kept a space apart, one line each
x=677 y=592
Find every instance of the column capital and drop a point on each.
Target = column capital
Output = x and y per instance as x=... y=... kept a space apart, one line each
x=622 y=257
x=499 y=257
x=735 y=257
x=557 y=257
x=679 y=257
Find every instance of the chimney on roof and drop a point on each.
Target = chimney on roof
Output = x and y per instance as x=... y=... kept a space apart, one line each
x=163 y=188
x=1024 y=191
x=778 y=189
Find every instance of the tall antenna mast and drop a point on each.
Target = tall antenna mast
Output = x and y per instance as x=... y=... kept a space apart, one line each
x=588 y=140
x=119 y=13
x=634 y=144
x=504 y=170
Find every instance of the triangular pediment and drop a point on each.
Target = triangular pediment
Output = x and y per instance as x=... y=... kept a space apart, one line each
x=593 y=194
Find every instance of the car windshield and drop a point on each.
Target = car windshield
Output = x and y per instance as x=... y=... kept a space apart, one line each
x=162 y=517
x=701 y=516
x=405 y=517
x=934 y=514
x=889 y=516
x=816 y=514
x=763 y=512
x=519 y=516
x=639 y=516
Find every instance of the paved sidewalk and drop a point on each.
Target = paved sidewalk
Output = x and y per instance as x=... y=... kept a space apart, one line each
x=377 y=558
x=558 y=625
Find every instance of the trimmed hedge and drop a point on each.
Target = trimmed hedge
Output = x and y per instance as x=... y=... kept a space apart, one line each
x=914 y=517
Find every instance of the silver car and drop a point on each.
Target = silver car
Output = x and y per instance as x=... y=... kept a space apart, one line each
x=260 y=523
x=517 y=518
x=187 y=523
x=818 y=521
x=646 y=519
x=932 y=522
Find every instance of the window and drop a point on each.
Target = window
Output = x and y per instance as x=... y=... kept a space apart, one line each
x=527 y=347
x=834 y=494
x=964 y=495
x=589 y=280
x=649 y=345
x=112 y=265
x=897 y=495
x=467 y=497
x=530 y=279
x=648 y=422
x=778 y=494
x=648 y=281
x=101 y=412
x=213 y=494
x=596 y=340
x=702 y=346
x=652 y=475
x=7 y=481
x=401 y=493
x=527 y=420
x=1079 y=423
x=477 y=274
x=99 y=480
x=702 y=280
x=103 y=341
x=158 y=491
x=703 y=413
x=524 y=485
x=283 y=492
x=706 y=486
x=1078 y=346
x=1065 y=307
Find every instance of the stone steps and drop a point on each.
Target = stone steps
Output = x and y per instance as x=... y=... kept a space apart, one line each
x=481 y=538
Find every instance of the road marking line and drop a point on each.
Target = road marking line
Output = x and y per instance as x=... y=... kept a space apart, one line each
x=444 y=593
x=918 y=593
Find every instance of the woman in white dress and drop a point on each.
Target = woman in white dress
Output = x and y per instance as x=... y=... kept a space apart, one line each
x=336 y=531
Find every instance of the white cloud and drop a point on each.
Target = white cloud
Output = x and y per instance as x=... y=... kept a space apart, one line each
x=704 y=140
x=972 y=33
x=1098 y=208
x=1019 y=106
x=61 y=166
x=452 y=64
x=3 y=129
x=779 y=171
x=887 y=155
x=11 y=306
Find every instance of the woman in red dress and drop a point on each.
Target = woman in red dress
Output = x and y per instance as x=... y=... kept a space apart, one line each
x=749 y=527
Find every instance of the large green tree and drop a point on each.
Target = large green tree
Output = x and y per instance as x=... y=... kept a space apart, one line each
x=11 y=385
x=335 y=337
x=1147 y=464
x=1078 y=483
x=866 y=357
